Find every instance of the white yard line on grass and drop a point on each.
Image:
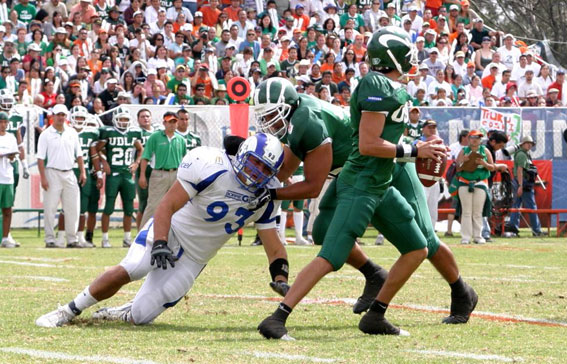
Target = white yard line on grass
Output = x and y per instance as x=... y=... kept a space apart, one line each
x=453 y=354
x=302 y=358
x=44 y=265
x=55 y=260
x=521 y=279
x=42 y=278
x=63 y=356
x=491 y=316
x=515 y=266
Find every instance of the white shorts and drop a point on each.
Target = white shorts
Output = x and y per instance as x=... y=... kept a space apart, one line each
x=162 y=288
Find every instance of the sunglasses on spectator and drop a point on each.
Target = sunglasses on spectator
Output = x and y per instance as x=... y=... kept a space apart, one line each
x=251 y=34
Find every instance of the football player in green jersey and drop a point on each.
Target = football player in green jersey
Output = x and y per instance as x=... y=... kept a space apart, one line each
x=193 y=140
x=87 y=128
x=378 y=111
x=145 y=122
x=414 y=126
x=123 y=153
x=15 y=123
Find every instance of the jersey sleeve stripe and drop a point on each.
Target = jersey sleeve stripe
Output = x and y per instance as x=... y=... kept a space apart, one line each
x=143 y=235
x=265 y=218
x=199 y=187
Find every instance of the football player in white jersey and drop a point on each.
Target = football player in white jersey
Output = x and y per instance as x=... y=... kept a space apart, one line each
x=213 y=197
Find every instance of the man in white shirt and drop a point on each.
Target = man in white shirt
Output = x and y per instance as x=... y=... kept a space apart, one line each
x=520 y=69
x=530 y=84
x=151 y=13
x=499 y=87
x=433 y=62
x=510 y=54
x=496 y=61
x=58 y=149
x=438 y=83
x=8 y=152
x=459 y=64
x=531 y=64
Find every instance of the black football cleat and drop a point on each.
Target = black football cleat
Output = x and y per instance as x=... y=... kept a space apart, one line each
x=373 y=323
x=371 y=289
x=462 y=307
x=273 y=328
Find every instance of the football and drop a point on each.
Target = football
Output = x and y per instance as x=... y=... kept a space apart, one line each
x=429 y=170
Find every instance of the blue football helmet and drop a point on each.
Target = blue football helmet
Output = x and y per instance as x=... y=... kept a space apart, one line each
x=258 y=160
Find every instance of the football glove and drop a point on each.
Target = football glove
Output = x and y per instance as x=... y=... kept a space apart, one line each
x=26 y=170
x=263 y=196
x=161 y=254
x=280 y=287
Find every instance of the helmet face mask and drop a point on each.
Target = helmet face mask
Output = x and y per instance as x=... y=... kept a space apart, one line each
x=274 y=100
x=272 y=119
x=257 y=161
x=121 y=118
x=6 y=100
x=79 y=117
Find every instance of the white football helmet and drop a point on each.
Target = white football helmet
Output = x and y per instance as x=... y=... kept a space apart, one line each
x=79 y=117
x=6 y=100
x=121 y=118
x=258 y=160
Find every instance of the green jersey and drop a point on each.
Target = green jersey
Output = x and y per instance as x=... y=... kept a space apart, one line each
x=120 y=147
x=86 y=138
x=145 y=136
x=414 y=131
x=193 y=140
x=14 y=124
x=26 y=13
x=316 y=122
x=375 y=93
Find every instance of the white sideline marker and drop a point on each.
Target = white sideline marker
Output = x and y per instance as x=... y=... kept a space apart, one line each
x=42 y=278
x=453 y=354
x=302 y=358
x=62 y=356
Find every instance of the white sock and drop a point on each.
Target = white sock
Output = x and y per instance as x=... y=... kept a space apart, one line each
x=81 y=236
x=309 y=237
x=61 y=236
x=83 y=300
x=298 y=224
x=127 y=236
x=283 y=221
x=105 y=236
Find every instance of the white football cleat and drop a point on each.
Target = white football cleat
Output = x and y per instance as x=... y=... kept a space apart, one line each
x=85 y=244
x=61 y=316
x=7 y=244
x=301 y=241
x=120 y=313
x=106 y=244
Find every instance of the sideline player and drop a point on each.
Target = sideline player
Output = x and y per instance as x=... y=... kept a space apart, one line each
x=187 y=235
x=15 y=124
x=193 y=140
x=8 y=151
x=88 y=132
x=145 y=123
x=379 y=111
x=121 y=142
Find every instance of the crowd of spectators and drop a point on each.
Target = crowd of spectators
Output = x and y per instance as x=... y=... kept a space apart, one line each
x=99 y=54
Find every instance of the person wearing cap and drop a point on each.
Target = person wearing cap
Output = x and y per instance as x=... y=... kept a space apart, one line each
x=553 y=97
x=85 y=9
x=301 y=19
x=478 y=33
x=496 y=58
x=433 y=63
x=177 y=8
x=430 y=37
x=395 y=20
x=57 y=151
x=179 y=76
x=474 y=164
x=558 y=84
x=488 y=81
x=525 y=179
x=510 y=54
x=166 y=149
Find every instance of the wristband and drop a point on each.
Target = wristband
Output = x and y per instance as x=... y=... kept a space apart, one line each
x=25 y=164
x=94 y=156
x=413 y=151
x=98 y=174
x=399 y=150
x=273 y=194
x=279 y=267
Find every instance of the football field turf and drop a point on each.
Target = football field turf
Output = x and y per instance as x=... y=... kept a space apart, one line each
x=521 y=315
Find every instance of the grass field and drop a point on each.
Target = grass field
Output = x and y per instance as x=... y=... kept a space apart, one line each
x=521 y=315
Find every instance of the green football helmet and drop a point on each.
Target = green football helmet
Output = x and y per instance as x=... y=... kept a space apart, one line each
x=121 y=118
x=390 y=48
x=274 y=100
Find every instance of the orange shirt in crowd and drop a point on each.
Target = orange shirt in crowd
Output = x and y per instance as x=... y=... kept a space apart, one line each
x=488 y=82
x=208 y=86
x=232 y=14
x=326 y=67
x=210 y=15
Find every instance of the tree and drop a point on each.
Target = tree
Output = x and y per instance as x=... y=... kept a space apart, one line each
x=529 y=20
